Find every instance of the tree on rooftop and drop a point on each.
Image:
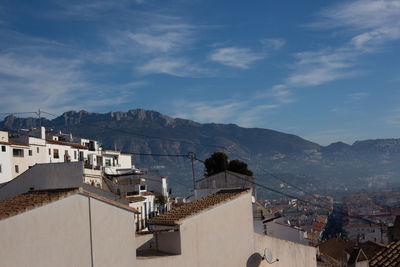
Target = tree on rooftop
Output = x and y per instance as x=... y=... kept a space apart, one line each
x=239 y=167
x=218 y=162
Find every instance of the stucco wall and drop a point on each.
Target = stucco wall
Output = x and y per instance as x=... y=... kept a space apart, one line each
x=58 y=234
x=289 y=254
x=125 y=161
x=113 y=235
x=5 y=162
x=221 y=236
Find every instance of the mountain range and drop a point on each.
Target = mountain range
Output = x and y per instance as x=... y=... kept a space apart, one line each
x=333 y=169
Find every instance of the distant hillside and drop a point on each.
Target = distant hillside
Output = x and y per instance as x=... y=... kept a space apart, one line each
x=333 y=168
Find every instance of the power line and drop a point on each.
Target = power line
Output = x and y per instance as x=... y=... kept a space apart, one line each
x=300 y=199
x=159 y=155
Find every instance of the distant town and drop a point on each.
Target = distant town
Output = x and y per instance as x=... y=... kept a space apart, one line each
x=69 y=201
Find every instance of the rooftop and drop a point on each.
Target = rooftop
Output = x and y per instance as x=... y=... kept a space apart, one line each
x=31 y=200
x=390 y=256
x=37 y=198
x=12 y=143
x=175 y=216
x=75 y=145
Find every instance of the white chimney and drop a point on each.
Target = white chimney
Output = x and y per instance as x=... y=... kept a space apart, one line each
x=43 y=133
x=70 y=138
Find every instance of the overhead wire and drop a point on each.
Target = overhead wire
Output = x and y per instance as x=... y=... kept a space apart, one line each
x=201 y=144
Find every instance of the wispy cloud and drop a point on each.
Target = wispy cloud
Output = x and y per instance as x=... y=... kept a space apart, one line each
x=316 y=68
x=179 y=67
x=370 y=24
x=272 y=43
x=163 y=38
x=244 y=113
x=357 y=96
x=374 y=22
x=328 y=136
x=393 y=118
x=217 y=111
x=235 y=57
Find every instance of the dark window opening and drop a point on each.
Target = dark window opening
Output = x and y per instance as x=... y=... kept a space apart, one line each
x=18 y=152
x=55 y=154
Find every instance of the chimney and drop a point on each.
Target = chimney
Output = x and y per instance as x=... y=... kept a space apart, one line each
x=43 y=133
x=70 y=137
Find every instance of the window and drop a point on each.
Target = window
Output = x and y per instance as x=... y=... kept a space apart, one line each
x=108 y=162
x=37 y=150
x=3 y=148
x=18 y=152
x=49 y=152
x=0 y=168
x=16 y=169
x=75 y=154
x=55 y=154
x=30 y=152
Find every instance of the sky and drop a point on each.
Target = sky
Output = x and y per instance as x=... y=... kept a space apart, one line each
x=327 y=71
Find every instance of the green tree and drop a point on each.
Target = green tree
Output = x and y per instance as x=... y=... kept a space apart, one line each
x=218 y=162
x=239 y=167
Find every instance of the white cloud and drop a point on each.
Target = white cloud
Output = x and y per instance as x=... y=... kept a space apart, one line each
x=329 y=136
x=245 y=113
x=163 y=38
x=235 y=57
x=179 y=67
x=393 y=118
x=273 y=43
x=357 y=96
x=374 y=21
x=217 y=111
x=252 y=115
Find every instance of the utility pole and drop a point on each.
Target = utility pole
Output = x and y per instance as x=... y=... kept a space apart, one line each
x=191 y=155
x=40 y=121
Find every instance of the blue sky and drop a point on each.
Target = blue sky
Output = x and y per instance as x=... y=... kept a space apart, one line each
x=325 y=70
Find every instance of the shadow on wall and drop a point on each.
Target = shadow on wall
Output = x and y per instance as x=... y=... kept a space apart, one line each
x=254 y=260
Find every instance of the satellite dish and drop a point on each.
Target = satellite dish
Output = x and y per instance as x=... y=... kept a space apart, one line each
x=268 y=255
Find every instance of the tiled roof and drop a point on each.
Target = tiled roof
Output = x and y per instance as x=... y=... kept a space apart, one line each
x=175 y=216
x=335 y=248
x=388 y=257
x=147 y=193
x=348 y=226
x=135 y=199
x=75 y=145
x=12 y=143
x=371 y=248
x=31 y=200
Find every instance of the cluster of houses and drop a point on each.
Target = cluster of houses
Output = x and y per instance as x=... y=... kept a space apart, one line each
x=66 y=201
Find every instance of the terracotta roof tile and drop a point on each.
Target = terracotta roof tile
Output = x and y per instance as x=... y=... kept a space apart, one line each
x=175 y=216
x=37 y=198
x=31 y=200
x=75 y=145
x=12 y=143
x=390 y=256
x=135 y=199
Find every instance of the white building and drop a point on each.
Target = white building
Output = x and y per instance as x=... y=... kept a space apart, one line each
x=72 y=227
x=21 y=152
x=367 y=232
x=278 y=227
